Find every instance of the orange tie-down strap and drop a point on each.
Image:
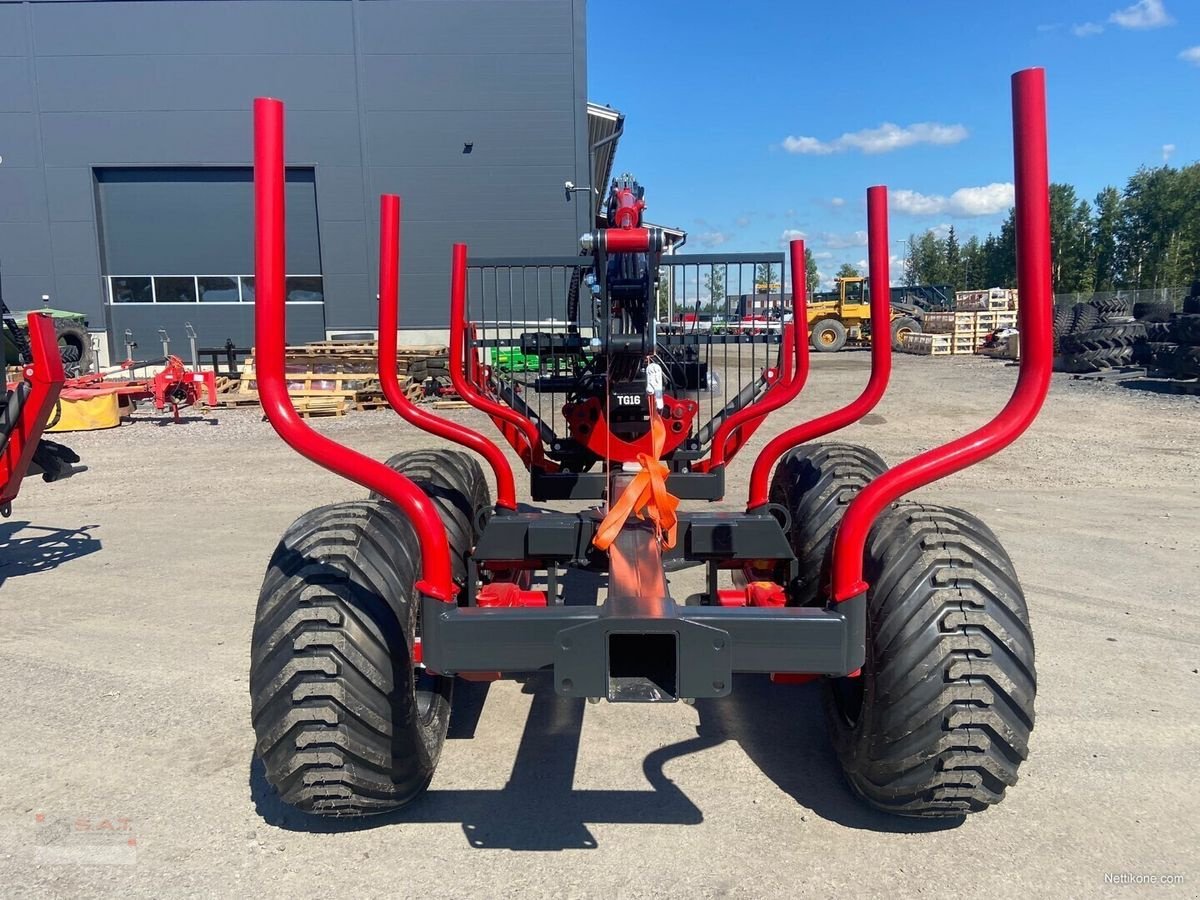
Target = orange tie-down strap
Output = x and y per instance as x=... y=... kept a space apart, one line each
x=646 y=496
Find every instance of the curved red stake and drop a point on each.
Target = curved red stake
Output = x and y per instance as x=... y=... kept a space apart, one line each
x=1033 y=323
x=389 y=304
x=795 y=370
x=269 y=325
x=458 y=326
x=881 y=358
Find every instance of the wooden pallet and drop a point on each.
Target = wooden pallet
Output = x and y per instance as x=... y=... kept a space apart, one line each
x=924 y=344
x=991 y=300
x=968 y=323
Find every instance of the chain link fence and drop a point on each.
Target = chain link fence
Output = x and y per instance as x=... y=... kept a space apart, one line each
x=1173 y=296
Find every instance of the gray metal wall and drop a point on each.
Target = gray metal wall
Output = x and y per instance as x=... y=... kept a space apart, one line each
x=381 y=94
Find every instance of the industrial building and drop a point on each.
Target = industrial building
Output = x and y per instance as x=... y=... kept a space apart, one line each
x=125 y=152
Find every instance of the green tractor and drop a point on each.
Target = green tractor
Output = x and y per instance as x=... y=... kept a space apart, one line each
x=74 y=342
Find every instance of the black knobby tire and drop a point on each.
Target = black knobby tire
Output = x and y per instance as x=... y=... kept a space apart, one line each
x=815 y=483
x=939 y=720
x=1083 y=317
x=1113 y=307
x=828 y=336
x=1153 y=311
x=902 y=326
x=1097 y=360
x=74 y=344
x=1158 y=331
x=1162 y=353
x=1186 y=329
x=345 y=724
x=1105 y=336
x=454 y=480
x=1063 y=317
x=1186 y=361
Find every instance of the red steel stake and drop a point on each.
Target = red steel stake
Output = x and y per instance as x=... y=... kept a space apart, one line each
x=881 y=358
x=1034 y=318
x=389 y=292
x=269 y=325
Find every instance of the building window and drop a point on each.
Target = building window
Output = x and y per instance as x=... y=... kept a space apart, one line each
x=218 y=289
x=210 y=289
x=171 y=289
x=131 y=290
x=305 y=289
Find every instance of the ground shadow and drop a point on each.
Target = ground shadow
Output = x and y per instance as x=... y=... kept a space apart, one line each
x=1161 y=386
x=538 y=809
x=40 y=549
x=780 y=728
x=162 y=421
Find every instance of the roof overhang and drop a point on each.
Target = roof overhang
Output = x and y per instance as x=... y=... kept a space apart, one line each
x=604 y=132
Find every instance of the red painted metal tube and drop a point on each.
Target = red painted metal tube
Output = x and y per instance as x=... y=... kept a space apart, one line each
x=458 y=327
x=1033 y=322
x=795 y=369
x=269 y=326
x=625 y=240
x=881 y=358
x=389 y=304
x=44 y=376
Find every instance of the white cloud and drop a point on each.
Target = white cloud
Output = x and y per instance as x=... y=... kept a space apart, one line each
x=791 y=234
x=941 y=231
x=1087 y=29
x=884 y=139
x=742 y=221
x=1143 y=14
x=985 y=200
x=1167 y=150
x=842 y=241
x=824 y=254
x=712 y=238
x=840 y=201
x=1191 y=55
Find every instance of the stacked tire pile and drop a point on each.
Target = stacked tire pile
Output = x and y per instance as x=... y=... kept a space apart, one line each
x=429 y=376
x=1109 y=334
x=1172 y=344
x=1097 y=335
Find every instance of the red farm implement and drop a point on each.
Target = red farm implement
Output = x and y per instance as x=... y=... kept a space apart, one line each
x=172 y=386
x=29 y=404
x=910 y=614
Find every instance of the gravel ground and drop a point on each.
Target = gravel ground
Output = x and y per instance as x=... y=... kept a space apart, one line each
x=127 y=596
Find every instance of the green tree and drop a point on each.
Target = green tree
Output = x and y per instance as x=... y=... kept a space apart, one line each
x=847 y=271
x=972 y=264
x=764 y=279
x=1105 y=273
x=953 y=269
x=715 y=282
x=664 y=292
x=1071 y=262
x=928 y=260
x=810 y=266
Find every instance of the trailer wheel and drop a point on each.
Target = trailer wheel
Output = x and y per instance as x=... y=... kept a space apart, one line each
x=455 y=482
x=828 y=336
x=815 y=483
x=939 y=720
x=346 y=725
x=901 y=328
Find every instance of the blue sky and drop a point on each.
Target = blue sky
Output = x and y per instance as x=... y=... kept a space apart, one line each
x=749 y=120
